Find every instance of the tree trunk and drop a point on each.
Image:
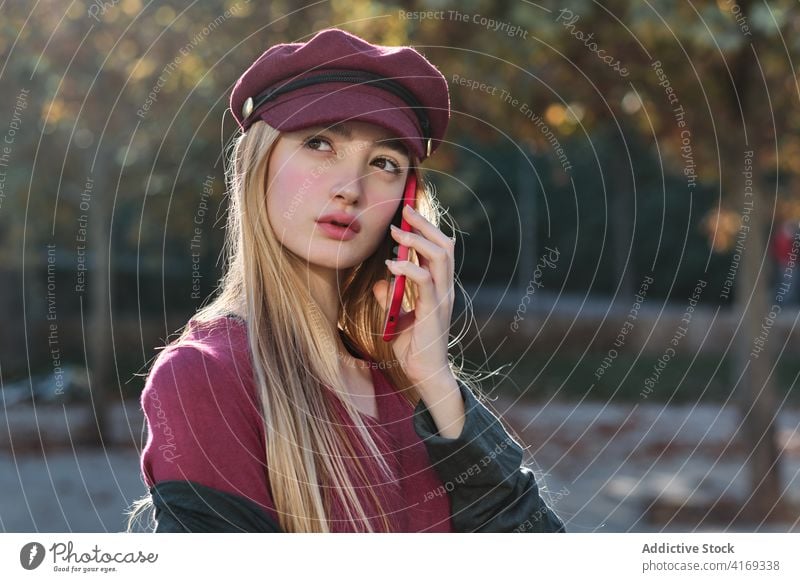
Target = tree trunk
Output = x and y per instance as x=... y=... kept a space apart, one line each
x=621 y=220
x=755 y=392
x=99 y=333
x=527 y=186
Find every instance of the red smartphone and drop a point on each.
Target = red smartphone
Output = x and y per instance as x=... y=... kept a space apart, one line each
x=397 y=286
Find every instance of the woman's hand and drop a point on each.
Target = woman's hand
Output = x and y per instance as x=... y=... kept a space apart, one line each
x=423 y=334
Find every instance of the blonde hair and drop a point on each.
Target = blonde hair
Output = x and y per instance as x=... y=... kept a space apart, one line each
x=294 y=356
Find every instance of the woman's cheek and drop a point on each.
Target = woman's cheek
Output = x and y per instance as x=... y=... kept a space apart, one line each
x=285 y=199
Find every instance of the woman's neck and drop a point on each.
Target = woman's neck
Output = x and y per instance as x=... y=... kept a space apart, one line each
x=325 y=286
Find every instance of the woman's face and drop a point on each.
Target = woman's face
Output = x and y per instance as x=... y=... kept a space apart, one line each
x=355 y=168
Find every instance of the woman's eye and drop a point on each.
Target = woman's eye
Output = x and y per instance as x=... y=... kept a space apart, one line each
x=312 y=140
x=394 y=164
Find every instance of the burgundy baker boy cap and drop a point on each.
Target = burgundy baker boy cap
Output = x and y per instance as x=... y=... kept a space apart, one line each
x=337 y=76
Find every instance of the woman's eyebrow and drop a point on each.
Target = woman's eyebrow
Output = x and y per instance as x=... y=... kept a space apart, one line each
x=393 y=144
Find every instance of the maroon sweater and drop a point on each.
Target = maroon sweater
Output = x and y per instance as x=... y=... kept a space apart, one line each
x=205 y=426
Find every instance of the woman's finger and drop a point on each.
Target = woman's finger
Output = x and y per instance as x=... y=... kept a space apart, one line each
x=427 y=229
x=435 y=235
x=428 y=299
x=436 y=258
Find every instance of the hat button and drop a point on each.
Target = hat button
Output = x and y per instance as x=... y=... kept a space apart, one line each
x=247 y=108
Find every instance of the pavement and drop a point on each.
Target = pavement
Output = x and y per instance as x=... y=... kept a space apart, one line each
x=603 y=467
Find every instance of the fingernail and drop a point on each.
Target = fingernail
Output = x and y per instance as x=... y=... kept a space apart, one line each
x=394 y=228
x=389 y=262
x=411 y=209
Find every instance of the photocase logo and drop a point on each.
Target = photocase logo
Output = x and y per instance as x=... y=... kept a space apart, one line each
x=31 y=555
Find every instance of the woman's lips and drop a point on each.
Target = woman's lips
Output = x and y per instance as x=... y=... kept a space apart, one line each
x=337 y=232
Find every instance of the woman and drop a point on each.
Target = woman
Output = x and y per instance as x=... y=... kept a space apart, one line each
x=280 y=407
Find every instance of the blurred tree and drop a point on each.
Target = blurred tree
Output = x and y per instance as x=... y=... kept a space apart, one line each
x=128 y=98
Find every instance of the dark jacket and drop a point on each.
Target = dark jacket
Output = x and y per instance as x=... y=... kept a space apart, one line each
x=490 y=491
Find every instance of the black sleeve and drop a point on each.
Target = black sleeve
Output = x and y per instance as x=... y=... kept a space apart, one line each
x=187 y=506
x=489 y=489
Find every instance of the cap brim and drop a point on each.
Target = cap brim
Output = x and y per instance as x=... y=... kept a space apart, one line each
x=341 y=102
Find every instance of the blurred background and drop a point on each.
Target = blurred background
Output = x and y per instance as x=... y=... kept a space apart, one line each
x=622 y=175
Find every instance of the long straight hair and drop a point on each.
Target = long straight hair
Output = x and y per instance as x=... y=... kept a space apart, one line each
x=310 y=458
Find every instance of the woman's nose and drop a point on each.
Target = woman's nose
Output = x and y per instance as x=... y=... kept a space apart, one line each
x=348 y=182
